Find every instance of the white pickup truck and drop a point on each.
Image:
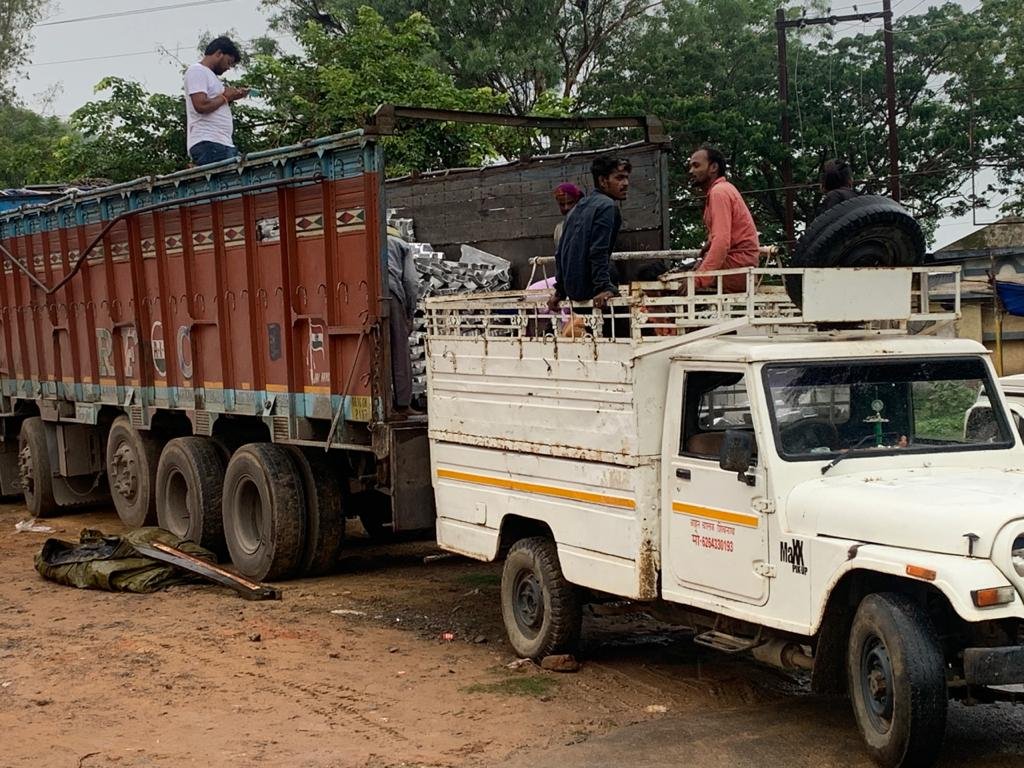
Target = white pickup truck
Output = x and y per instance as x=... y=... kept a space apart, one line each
x=809 y=496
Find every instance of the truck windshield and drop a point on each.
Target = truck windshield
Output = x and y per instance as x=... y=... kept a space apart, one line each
x=825 y=409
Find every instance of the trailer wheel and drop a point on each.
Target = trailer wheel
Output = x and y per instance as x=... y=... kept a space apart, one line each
x=897 y=682
x=264 y=511
x=189 y=491
x=541 y=610
x=34 y=468
x=325 y=516
x=132 y=459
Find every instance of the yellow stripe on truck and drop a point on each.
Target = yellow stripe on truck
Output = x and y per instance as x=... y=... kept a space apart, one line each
x=509 y=484
x=721 y=515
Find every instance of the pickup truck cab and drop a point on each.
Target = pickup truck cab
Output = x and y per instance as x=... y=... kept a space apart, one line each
x=807 y=496
x=979 y=418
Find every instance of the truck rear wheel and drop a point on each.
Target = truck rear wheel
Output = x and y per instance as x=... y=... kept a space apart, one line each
x=897 y=682
x=264 y=511
x=325 y=517
x=132 y=459
x=189 y=491
x=34 y=468
x=541 y=610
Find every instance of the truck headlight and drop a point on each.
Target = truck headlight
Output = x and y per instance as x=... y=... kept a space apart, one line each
x=1017 y=556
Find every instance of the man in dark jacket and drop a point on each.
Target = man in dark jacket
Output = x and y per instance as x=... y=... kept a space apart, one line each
x=836 y=184
x=404 y=292
x=583 y=266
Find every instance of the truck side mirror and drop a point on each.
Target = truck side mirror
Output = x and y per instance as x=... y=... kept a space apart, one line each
x=737 y=453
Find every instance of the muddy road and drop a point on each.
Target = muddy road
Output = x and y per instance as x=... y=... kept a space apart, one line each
x=390 y=662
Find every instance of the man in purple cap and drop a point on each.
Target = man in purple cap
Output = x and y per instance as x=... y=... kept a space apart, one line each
x=566 y=195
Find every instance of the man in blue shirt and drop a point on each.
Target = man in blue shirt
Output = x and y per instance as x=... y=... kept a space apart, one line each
x=583 y=268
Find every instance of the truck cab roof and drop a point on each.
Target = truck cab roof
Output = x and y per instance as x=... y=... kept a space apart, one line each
x=815 y=346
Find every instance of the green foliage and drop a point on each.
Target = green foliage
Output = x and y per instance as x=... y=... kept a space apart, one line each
x=519 y=48
x=28 y=142
x=341 y=79
x=940 y=408
x=710 y=71
x=130 y=133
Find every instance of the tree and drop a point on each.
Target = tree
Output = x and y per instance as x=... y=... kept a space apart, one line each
x=519 y=48
x=341 y=78
x=28 y=142
x=17 y=17
x=709 y=69
x=129 y=134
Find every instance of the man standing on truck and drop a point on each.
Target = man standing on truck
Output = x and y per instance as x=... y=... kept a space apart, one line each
x=404 y=289
x=732 y=237
x=583 y=258
x=207 y=104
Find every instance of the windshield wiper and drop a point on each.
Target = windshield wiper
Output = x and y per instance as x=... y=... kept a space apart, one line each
x=851 y=451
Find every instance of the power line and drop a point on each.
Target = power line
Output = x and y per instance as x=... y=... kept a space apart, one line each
x=93 y=58
x=134 y=12
x=159 y=49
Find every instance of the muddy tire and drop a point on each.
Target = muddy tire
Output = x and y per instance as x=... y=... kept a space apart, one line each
x=189 y=491
x=897 y=682
x=865 y=231
x=541 y=610
x=325 y=516
x=132 y=460
x=264 y=512
x=34 y=468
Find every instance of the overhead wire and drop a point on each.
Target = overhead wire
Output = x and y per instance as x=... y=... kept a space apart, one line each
x=92 y=58
x=131 y=12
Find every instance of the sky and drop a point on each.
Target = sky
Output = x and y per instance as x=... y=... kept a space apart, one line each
x=70 y=57
x=72 y=53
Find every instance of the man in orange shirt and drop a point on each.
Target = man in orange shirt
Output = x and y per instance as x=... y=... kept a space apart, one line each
x=732 y=237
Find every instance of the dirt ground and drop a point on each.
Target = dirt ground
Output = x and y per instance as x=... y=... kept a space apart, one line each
x=353 y=669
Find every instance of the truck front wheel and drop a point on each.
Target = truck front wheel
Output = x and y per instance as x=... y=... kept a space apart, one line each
x=34 y=468
x=132 y=459
x=897 y=681
x=542 y=610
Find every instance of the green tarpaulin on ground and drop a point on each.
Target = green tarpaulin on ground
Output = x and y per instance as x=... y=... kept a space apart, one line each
x=111 y=563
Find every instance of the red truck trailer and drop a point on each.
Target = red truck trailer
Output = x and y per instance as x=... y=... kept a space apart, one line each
x=210 y=348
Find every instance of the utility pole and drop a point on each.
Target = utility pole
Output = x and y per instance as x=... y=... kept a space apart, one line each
x=781 y=25
x=787 y=160
x=890 y=101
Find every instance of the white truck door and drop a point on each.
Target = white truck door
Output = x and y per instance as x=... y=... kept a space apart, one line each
x=717 y=539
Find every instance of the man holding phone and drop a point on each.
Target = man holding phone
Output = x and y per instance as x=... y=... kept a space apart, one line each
x=207 y=104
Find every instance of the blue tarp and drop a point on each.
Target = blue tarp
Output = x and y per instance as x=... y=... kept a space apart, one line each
x=1012 y=296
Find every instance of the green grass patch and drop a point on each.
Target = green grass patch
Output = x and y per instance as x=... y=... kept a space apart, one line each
x=521 y=685
x=479 y=579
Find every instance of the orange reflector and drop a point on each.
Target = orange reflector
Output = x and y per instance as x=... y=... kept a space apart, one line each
x=985 y=598
x=921 y=573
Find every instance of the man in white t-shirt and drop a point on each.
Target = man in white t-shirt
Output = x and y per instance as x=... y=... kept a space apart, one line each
x=207 y=104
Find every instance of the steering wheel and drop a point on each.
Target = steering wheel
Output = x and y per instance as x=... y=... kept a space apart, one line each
x=807 y=434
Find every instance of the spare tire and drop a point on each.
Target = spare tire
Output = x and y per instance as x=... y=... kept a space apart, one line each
x=864 y=231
